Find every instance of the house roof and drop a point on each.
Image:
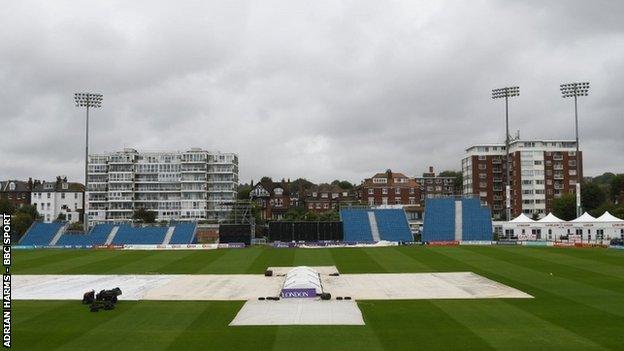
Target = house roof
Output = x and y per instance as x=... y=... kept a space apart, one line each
x=271 y=186
x=57 y=187
x=20 y=185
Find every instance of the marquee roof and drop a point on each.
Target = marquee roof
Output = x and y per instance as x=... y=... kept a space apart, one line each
x=608 y=217
x=551 y=218
x=522 y=218
x=586 y=217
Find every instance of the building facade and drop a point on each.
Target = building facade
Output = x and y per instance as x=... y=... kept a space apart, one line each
x=58 y=198
x=392 y=189
x=327 y=197
x=273 y=199
x=433 y=185
x=17 y=192
x=187 y=185
x=540 y=171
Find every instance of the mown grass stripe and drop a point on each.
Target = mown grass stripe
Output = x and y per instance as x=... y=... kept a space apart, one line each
x=601 y=284
x=209 y=330
x=425 y=327
x=504 y=326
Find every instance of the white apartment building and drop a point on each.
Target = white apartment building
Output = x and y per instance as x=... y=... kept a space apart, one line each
x=540 y=171
x=188 y=185
x=58 y=198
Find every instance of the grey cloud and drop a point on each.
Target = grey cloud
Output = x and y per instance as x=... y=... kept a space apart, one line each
x=316 y=89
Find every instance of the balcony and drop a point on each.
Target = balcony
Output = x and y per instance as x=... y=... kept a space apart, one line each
x=498 y=180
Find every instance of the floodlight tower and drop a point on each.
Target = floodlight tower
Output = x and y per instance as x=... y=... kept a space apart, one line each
x=575 y=90
x=506 y=93
x=88 y=100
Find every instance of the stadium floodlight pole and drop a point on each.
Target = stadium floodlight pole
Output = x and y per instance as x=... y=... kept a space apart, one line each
x=88 y=100
x=575 y=90
x=506 y=93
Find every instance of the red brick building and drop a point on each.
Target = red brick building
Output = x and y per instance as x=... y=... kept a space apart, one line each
x=327 y=197
x=17 y=192
x=540 y=171
x=390 y=188
x=273 y=198
x=432 y=185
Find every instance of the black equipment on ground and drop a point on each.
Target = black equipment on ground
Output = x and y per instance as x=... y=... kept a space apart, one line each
x=325 y=296
x=268 y=273
x=88 y=297
x=108 y=295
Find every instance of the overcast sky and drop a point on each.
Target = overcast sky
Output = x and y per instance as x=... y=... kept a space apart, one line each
x=315 y=89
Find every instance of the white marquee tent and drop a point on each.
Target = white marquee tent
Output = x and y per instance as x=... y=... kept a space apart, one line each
x=585 y=228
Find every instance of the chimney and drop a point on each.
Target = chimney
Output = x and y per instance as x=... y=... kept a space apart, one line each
x=430 y=169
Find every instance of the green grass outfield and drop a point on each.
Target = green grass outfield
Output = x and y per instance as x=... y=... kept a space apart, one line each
x=578 y=304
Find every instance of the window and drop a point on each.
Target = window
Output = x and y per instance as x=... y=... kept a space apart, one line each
x=397 y=191
x=370 y=191
x=48 y=195
x=62 y=195
x=384 y=191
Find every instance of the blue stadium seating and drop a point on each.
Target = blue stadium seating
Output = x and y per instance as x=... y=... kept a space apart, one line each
x=439 y=221
x=184 y=233
x=356 y=225
x=392 y=225
x=145 y=236
x=74 y=239
x=99 y=233
x=41 y=233
x=97 y=236
x=476 y=220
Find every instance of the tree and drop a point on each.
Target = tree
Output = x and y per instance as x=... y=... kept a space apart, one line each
x=144 y=215
x=295 y=214
x=311 y=216
x=23 y=218
x=29 y=210
x=300 y=183
x=458 y=183
x=6 y=207
x=592 y=196
x=343 y=184
x=61 y=217
x=616 y=187
x=76 y=226
x=565 y=207
x=329 y=216
x=266 y=179
x=20 y=222
x=243 y=191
